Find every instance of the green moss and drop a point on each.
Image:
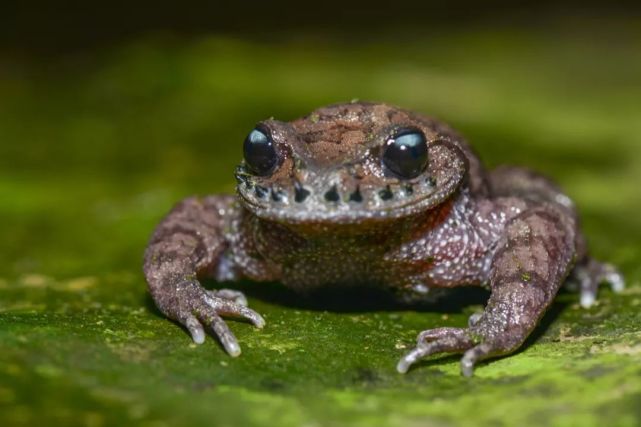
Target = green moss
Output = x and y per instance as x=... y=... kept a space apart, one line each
x=314 y=118
x=93 y=158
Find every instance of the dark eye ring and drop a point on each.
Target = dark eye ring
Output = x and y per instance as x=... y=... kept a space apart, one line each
x=405 y=153
x=259 y=151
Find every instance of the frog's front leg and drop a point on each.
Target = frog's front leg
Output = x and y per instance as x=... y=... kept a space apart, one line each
x=188 y=244
x=534 y=256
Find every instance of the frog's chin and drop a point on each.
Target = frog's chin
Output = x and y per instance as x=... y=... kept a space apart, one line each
x=341 y=213
x=395 y=203
x=321 y=201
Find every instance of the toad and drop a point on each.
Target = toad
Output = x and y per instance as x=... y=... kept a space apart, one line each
x=370 y=194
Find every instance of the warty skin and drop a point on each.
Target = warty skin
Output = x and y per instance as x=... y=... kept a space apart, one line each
x=330 y=212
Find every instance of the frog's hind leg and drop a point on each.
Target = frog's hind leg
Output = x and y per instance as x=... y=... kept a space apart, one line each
x=509 y=181
x=589 y=274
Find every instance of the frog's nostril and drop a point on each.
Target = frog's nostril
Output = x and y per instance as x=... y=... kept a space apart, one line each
x=356 y=196
x=409 y=189
x=332 y=195
x=300 y=193
x=386 y=193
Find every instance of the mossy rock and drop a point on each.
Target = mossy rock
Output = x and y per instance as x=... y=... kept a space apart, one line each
x=96 y=149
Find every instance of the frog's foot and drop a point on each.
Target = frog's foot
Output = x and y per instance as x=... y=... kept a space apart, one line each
x=194 y=307
x=440 y=340
x=469 y=341
x=590 y=274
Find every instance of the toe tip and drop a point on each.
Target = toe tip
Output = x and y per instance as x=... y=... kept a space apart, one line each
x=617 y=284
x=587 y=300
x=233 y=350
x=467 y=369
x=198 y=337
x=402 y=367
x=259 y=322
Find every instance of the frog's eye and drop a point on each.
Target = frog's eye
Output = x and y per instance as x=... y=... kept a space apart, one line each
x=259 y=151
x=405 y=153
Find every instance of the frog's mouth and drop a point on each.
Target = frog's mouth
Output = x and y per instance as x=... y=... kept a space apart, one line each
x=337 y=198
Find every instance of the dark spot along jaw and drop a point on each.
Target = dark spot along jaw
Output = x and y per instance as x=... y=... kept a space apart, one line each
x=332 y=195
x=356 y=196
x=260 y=191
x=243 y=179
x=386 y=193
x=278 y=195
x=300 y=193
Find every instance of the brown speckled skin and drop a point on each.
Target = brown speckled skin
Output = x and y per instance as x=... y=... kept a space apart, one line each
x=455 y=224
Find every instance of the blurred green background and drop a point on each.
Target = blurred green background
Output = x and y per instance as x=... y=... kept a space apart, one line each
x=110 y=113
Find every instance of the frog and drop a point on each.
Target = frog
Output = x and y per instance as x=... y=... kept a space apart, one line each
x=369 y=194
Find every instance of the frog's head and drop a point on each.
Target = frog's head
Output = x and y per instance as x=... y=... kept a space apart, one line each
x=349 y=163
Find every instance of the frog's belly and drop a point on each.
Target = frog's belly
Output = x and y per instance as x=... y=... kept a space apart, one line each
x=310 y=276
x=330 y=270
x=319 y=270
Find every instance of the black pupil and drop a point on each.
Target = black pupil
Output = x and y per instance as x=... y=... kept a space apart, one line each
x=259 y=151
x=406 y=153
